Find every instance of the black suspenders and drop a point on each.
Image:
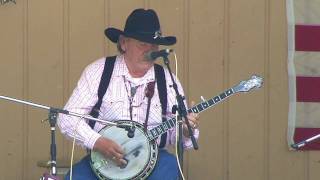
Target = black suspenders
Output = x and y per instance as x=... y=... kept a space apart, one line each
x=104 y=83
x=162 y=90
x=103 y=86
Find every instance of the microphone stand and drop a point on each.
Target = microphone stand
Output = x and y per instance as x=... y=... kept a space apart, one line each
x=182 y=113
x=304 y=142
x=52 y=118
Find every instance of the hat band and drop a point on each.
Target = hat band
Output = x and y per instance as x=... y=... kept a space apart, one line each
x=156 y=34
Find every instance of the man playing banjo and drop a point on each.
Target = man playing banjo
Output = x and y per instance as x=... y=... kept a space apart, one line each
x=127 y=88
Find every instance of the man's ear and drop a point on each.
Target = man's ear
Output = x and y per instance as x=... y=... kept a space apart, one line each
x=122 y=43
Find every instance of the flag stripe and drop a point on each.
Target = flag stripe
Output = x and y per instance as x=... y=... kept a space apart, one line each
x=308 y=89
x=303 y=68
x=302 y=134
x=307 y=115
x=307 y=38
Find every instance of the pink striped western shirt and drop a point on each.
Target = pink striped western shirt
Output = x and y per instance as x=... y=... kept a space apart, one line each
x=115 y=105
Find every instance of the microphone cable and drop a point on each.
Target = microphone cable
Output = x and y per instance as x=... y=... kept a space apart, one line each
x=177 y=128
x=72 y=149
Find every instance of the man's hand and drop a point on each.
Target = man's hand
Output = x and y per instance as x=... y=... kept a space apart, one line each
x=110 y=150
x=193 y=121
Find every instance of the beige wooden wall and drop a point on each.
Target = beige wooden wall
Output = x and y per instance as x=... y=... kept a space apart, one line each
x=45 y=44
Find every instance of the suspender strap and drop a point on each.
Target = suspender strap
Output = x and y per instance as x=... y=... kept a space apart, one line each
x=162 y=89
x=103 y=86
x=104 y=83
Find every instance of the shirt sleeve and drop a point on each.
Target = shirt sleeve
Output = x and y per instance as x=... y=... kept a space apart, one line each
x=81 y=101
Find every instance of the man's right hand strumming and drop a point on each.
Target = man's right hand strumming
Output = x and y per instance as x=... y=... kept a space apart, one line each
x=111 y=150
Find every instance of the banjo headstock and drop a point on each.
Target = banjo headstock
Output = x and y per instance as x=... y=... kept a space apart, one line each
x=254 y=82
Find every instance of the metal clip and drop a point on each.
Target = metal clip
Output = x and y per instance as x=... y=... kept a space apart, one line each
x=157 y=34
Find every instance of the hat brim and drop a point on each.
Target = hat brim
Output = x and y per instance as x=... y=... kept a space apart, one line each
x=113 y=35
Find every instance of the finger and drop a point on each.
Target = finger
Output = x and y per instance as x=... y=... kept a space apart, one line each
x=123 y=162
x=120 y=162
x=112 y=152
x=115 y=160
x=194 y=123
x=118 y=150
x=196 y=116
x=191 y=118
x=195 y=126
x=118 y=155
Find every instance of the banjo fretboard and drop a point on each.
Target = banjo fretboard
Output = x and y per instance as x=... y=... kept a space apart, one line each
x=165 y=126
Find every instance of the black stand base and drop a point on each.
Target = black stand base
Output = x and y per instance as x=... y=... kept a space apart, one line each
x=47 y=176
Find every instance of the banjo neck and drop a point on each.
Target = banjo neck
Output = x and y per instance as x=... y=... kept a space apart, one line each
x=244 y=86
x=170 y=123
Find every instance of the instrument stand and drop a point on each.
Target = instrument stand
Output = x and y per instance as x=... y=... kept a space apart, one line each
x=52 y=118
x=182 y=112
x=304 y=142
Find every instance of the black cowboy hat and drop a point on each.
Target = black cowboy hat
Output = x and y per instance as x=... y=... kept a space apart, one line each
x=144 y=26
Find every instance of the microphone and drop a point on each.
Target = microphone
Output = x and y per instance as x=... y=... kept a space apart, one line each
x=153 y=55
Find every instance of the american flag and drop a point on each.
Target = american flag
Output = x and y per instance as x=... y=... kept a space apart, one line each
x=304 y=72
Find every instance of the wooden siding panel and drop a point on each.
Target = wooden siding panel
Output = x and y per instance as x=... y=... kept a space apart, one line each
x=247 y=57
x=86 y=36
x=205 y=75
x=45 y=60
x=11 y=78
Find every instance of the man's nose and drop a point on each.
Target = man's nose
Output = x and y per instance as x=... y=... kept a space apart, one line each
x=154 y=47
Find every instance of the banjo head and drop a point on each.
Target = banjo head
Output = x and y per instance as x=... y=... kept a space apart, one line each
x=140 y=153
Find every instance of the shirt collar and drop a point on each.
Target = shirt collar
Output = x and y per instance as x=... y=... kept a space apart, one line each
x=121 y=69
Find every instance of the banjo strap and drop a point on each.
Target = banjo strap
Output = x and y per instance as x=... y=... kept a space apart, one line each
x=149 y=94
x=162 y=90
x=104 y=83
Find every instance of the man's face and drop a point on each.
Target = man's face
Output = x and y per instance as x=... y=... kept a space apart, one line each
x=135 y=50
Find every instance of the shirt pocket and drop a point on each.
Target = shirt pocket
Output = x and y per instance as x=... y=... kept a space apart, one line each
x=114 y=108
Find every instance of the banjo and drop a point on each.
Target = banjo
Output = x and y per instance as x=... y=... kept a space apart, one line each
x=141 y=150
